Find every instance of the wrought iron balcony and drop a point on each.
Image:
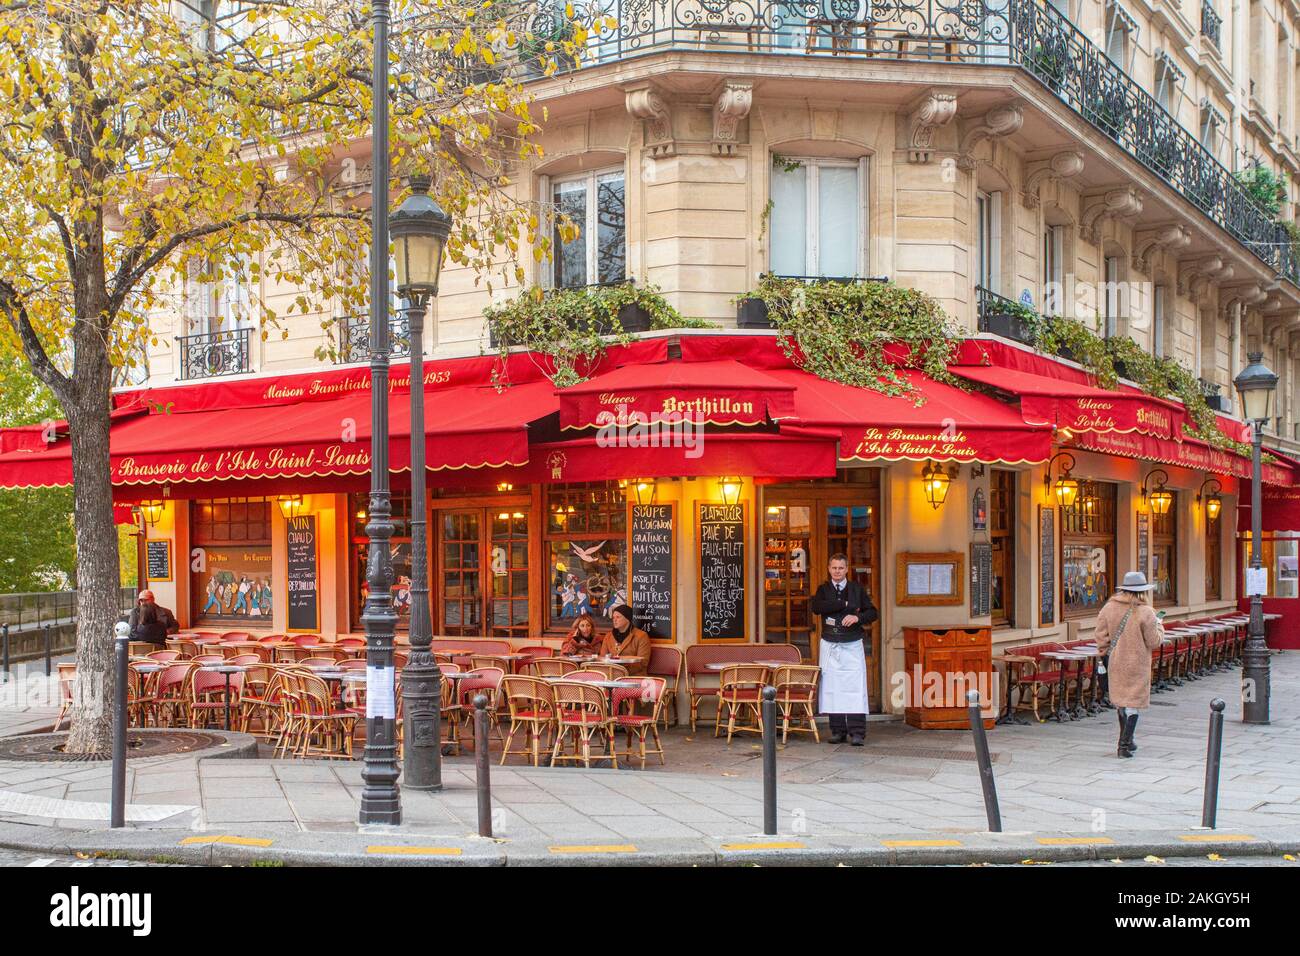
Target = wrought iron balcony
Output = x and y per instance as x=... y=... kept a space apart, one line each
x=354 y=337
x=212 y=354
x=1210 y=22
x=1021 y=33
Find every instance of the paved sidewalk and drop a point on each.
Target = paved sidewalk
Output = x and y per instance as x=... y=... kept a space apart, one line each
x=1056 y=782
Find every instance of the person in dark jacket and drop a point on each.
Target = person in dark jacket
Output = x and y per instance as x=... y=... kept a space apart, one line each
x=151 y=622
x=847 y=612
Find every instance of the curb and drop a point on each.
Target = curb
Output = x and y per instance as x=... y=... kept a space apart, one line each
x=412 y=849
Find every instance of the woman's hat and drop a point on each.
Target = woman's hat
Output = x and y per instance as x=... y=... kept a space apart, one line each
x=1136 y=581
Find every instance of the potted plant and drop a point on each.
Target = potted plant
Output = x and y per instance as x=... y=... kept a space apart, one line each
x=1009 y=319
x=752 y=313
x=1047 y=61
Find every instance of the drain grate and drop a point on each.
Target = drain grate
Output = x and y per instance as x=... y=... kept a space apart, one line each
x=927 y=753
x=154 y=743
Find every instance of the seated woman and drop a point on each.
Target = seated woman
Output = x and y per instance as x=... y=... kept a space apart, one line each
x=627 y=641
x=583 y=639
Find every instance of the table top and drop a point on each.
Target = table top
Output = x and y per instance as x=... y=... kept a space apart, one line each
x=224 y=668
x=150 y=668
x=1070 y=655
x=611 y=684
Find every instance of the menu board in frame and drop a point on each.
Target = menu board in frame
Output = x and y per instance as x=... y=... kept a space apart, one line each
x=301 y=575
x=1144 y=543
x=720 y=550
x=158 y=559
x=930 y=578
x=651 y=575
x=1046 y=565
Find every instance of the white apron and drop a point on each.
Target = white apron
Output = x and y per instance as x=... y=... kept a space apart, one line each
x=844 y=677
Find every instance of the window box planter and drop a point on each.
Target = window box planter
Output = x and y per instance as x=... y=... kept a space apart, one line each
x=1009 y=326
x=634 y=318
x=751 y=313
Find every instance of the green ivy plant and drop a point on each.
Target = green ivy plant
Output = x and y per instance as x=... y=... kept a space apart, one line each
x=1267 y=188
x=839 y=331
x=568 y=329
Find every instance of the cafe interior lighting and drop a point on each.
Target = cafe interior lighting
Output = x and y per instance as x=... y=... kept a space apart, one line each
x=1066 y=486
x=152 y=511
x=645 y=491
x=730 y=489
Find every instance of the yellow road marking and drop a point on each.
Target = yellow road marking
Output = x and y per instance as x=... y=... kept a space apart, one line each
x=1069 y=841
x=232 y=840
x=1215 y=837
x=416 y=850
x=607 y=848
x=765 y=846
x=921 y=842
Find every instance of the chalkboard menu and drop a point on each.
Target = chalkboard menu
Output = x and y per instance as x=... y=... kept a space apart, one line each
x=1046 y=566
x=158 y=559
x=300 y=574
x=651 y=576
x=981 y=578
x=721 y=535
x=1144 y=542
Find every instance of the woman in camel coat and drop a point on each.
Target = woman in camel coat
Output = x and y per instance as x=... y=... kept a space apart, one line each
x=1128 y=631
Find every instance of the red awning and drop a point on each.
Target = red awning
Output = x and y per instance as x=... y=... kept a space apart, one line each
x=803 y=453
x=469 y=427
x=717 y=393
x=1279 y=509
x=951 y=425
x=1081 y=408
x=1189 y=453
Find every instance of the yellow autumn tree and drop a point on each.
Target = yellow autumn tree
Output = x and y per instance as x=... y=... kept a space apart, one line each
x=143 y=141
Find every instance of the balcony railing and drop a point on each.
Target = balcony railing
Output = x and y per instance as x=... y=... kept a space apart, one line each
x=354 y=337
x=1214 y=396
x=212 y=354
x=1210 y=22
x=1020 y=33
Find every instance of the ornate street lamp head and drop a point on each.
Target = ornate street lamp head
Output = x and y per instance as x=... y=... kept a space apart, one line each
x=419 y=230
x=1256 y=384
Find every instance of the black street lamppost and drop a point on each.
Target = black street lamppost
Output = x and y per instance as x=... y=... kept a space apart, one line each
x=1256 y=385
x=381 y=803
x=419 y=229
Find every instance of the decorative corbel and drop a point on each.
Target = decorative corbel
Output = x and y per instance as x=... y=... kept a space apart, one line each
x=645 y=102
x=937 y=108
x=731 y=106
x=1064 y=165
x=1146 y=242
x=997 y=122
x=1194 y=273
x=1114 y=204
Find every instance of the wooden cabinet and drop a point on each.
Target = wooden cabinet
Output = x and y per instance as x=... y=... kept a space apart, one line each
x=942 y=664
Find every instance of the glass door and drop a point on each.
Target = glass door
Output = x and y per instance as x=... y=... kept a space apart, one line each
x=787 y=540
x=477 y=600
x=851 y=529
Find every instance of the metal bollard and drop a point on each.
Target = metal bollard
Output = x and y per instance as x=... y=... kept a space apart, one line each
x=46 y=629
x=482 y=763
x=1210 y=808
x=4 y=637
x=769 y=760
x=986 y=764
x=118 y=805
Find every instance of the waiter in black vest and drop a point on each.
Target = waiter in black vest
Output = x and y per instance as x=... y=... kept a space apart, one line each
x=846 y=611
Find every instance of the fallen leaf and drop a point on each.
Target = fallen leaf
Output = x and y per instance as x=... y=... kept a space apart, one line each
x=1152 y=858
x=1215 y=857
x=1288 y=857
x=1036 y=862
x=83 y=856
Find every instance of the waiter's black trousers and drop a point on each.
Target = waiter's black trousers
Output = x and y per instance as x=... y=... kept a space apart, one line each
x=855 y=725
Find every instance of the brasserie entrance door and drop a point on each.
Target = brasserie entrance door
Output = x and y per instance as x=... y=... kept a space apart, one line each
x=481 y=556
x=802 y=528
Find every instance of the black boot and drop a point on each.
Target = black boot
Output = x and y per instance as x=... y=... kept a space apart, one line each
x=1126 y=737
x=1120 y=749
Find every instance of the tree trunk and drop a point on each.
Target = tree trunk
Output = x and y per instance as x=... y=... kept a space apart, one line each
x=97 y=572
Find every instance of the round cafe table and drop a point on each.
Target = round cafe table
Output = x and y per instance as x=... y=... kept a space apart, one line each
x=1065 y=657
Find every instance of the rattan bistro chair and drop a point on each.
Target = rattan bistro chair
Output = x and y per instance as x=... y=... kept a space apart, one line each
x=581 y=714
x=640 y=725
x=531 y=703
x=796 y=698
x=552 y=667
x=611 y=671
x=739 y=687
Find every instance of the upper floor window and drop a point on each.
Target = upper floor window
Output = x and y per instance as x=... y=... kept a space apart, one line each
x=219 y=297
x=595 y=203
x=1053 y=269
x=988 y=239
x=1169 y=79
x=816 y=221
x=1212 y=124
x=1121 y=35
x=1113 y=298
x=1159 y=323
